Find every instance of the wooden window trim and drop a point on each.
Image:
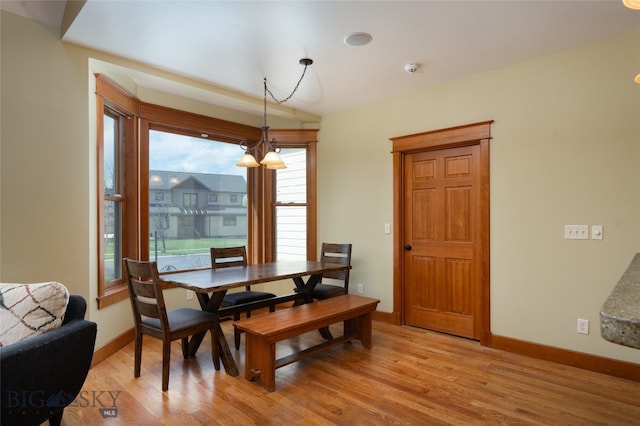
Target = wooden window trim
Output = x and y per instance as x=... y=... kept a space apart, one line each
x=164 y=119
x=294 y=138
x=110 y=94
x=190 y=124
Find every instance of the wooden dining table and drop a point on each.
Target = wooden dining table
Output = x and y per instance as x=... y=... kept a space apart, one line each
x=210 y=286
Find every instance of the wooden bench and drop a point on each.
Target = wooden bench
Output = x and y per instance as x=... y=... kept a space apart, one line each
x=264 y=331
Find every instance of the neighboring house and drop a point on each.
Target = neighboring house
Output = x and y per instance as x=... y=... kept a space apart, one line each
x=196 y=205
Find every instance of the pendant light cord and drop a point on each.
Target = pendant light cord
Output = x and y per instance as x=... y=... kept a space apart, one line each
x=306 y=62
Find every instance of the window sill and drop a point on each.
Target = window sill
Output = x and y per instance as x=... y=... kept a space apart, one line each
x=113 y=295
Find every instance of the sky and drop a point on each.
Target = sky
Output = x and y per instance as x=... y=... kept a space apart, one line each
x=168 y=151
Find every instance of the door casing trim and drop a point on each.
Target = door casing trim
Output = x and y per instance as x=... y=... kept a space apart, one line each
x=452 y=137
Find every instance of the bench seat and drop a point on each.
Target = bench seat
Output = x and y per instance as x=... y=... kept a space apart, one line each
x=263 y=332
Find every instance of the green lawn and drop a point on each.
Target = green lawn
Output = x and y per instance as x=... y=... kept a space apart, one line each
x=186 y=246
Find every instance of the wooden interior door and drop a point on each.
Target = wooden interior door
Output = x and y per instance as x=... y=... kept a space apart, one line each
x=441 y=228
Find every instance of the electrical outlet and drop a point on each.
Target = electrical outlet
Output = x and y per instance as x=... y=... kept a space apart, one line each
x=360 y=288
x=583 y=326
x=189 y=294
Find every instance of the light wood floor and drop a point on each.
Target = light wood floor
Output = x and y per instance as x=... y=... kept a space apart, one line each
x=410 y=376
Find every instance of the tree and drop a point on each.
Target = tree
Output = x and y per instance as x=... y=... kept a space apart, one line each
x=159 y=223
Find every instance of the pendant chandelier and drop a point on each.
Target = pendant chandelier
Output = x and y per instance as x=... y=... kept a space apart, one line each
x=633 y=4
x=266 y=147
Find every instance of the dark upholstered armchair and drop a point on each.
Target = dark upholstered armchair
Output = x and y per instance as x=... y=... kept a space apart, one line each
x=43 y=374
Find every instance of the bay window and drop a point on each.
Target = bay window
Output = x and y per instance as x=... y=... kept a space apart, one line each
x=170 y=189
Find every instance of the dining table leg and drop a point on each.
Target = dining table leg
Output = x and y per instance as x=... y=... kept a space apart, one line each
x=212 y=304
x=307 y=289
x=225 y=355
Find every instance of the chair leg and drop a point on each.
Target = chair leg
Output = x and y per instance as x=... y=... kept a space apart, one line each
x=185 y=347
x=138 y=355
x=236 y=332
x=56 y=420
x=166 y=360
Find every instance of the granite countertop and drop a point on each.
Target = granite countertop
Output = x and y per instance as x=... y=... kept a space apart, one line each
x=620 y=313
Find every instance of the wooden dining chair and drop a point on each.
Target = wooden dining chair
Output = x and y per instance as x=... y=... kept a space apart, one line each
x=224 y=257
x=333 y=283
x=152 y=318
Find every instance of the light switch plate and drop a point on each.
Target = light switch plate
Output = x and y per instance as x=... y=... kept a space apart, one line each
x=576 y=232
x=596 y=232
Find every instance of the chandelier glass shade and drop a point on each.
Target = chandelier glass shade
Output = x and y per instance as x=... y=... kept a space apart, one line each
x=247 y=160
x=273 y=161
x=266 y=147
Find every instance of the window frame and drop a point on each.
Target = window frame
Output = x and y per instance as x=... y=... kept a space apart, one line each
x=110 y=97
x=229 y=221
x=190 y=200
x=298 y=138
x=260 y=208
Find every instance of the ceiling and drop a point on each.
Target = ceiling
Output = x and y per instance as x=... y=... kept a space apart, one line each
x=232 y=45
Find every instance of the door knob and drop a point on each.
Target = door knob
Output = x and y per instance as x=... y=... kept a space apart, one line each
x=407 y=247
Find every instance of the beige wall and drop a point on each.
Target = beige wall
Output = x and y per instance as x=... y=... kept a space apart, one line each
x=48 y=193
x=565 y=150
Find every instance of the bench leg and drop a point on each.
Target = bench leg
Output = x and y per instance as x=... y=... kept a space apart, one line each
x=260 y=361
x=361 y=326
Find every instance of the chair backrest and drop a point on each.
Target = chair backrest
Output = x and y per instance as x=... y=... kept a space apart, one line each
x=337 y=253
x=145 y=291
x=225 y=257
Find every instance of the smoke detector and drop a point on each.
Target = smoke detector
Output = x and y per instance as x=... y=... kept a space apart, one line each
x=411 y=68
